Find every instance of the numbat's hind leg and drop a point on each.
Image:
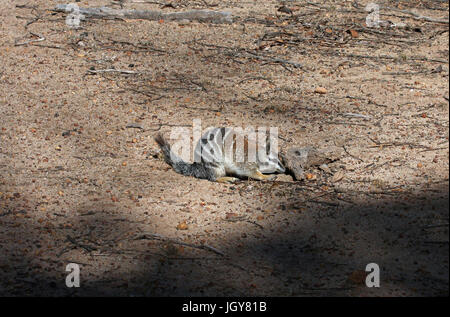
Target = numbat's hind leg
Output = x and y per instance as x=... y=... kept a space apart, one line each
x=226 y=179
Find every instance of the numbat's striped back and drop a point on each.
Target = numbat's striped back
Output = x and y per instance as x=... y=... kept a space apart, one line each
x=230 y=147
x=224 y=152
x=210 y=147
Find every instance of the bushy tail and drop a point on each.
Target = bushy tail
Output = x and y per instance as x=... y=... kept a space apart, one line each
x=177 y=163
x=165 y=148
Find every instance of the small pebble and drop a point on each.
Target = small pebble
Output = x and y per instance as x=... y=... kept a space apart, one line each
x=320 y=90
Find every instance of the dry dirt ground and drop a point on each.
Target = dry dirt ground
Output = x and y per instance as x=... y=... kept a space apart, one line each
x=81 y=181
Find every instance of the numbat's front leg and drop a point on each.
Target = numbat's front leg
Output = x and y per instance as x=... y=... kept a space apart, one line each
x=226 y=179
x=260 y=176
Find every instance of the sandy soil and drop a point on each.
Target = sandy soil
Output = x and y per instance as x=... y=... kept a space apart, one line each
x=77 y=185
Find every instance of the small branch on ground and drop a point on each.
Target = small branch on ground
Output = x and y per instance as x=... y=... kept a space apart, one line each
x=154 y=236
x=108 y=13
x=111 y=71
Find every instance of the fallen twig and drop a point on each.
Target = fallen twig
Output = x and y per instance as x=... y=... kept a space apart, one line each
x=434 y=149
x=134 y=126
x=345 y=123
x=351 y=155
x=274 y=60
x=408 y=73
x=356 y=115
x=105 y=12
x=154 y=236
x=75 y=245
x=255 y=78
x=398 y=58
x=435 y=226
x=418 y=16
x=387 y=144
x=244 y=219
x=111 y=71
x=40 y=39
x=246 y=53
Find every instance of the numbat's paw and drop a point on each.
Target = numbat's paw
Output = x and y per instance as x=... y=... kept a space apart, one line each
x=226 y=179
x=260 y=176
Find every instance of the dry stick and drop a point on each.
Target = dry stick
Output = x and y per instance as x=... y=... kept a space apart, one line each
x=199 y=108
x=408 y=73
x=168 y=125
x=244 y=219
x=111 y=71
x=345 y=123
x=356 y=115
x=49 y=46
x=134 y=126
x=76 y=244
x=351 y=155
x=424 y=59
x=387 y=144
x=143 y=48
x=434 y=149
x=40 y=39
x=154 y=236
x=374 y=166
x=435 y=226
x=415 y=15
x=105 y=12
x=151 y=2
x=418 y=16
x=248 y=54
x=274 y=60
x=255 y=78
x=25 y=6
x=35 y=19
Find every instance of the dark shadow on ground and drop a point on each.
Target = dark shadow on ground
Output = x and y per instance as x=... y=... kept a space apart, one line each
x=316 y=258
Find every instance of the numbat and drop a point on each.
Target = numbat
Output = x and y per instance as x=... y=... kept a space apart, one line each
x=224 y=155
